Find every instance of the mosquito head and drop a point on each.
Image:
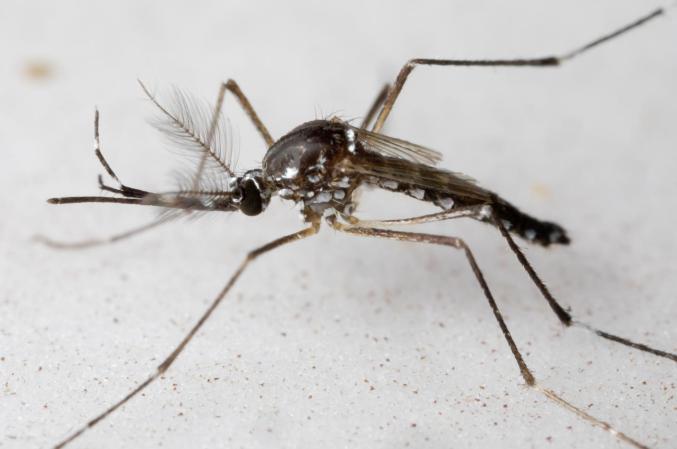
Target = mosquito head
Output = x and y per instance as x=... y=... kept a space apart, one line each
x=250 y=194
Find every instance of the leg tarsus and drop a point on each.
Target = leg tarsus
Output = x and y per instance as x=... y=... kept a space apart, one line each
x=564 y=316
x=129 y=192
x=203 y=318
x=83 y=244
x=548 y=61
x=486 y=211
x=526 y=373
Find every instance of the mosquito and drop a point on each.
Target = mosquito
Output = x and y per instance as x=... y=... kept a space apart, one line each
x=320 y=165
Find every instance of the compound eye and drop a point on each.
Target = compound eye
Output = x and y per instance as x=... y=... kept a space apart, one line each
x=251 y=202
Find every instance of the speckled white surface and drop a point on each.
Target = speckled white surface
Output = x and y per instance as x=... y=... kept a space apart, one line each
x=336 y=341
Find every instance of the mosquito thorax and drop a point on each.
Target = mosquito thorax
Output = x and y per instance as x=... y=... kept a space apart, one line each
x=250 y=193
x=305 y=164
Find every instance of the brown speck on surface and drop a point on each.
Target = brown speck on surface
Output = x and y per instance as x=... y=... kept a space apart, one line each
x=548 y=439
x=541 y=191
x=413 y=424
x=38 y=70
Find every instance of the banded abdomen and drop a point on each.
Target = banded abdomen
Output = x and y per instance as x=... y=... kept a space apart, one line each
x=450 y=190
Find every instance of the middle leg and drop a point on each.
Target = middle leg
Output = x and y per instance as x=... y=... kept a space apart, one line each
x=527 y=375
x=485 y=212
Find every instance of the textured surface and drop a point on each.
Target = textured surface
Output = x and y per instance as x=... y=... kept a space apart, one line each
x=337 y=341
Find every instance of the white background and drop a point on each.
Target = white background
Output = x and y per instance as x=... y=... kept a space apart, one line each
x=338 y=341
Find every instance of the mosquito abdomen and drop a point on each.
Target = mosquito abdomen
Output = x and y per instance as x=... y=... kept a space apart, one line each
x=536 y=231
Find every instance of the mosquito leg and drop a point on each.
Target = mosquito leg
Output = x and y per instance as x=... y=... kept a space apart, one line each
x=460 y=212
x=378 y=102
x=131 y=195
x=526 y=373
x=232 y=87
x=177 y=351
x=564 y=316
x=82 y=244
x=124 y=190
x=547 y=61
x=485 y=212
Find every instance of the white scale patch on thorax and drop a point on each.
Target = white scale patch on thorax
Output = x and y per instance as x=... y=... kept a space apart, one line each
x=350 y=138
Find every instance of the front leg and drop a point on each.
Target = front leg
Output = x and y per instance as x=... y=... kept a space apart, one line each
x=230 y=86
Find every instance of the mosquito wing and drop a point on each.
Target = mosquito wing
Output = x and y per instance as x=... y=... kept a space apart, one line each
x=407 y=163
x=396 y=148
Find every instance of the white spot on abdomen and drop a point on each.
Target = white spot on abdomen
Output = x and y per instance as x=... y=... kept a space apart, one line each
x=388 y=184
x=485 y=212
x=445 y=203
x=417 y=193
